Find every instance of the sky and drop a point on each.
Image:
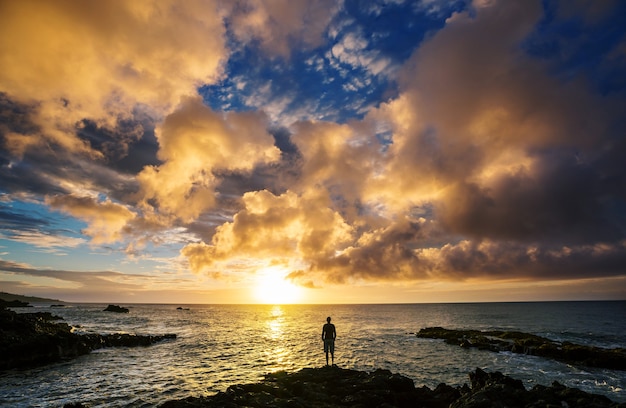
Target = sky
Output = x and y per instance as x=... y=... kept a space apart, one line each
x=278 y=151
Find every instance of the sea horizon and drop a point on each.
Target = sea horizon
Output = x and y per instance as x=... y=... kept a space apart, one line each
x=334 y=303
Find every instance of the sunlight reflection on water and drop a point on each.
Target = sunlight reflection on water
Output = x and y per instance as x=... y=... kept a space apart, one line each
x=218 y=346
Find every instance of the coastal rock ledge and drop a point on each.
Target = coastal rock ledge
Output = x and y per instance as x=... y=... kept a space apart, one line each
x=35 y=339
x=526 y=343
x=331 y=387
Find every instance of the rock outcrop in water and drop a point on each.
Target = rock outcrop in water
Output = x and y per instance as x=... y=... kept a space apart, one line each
x=34 y=339
x=525 y=343
x=116 y=309
x=331 y=387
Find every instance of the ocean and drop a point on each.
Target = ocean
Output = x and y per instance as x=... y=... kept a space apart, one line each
x=222 y=345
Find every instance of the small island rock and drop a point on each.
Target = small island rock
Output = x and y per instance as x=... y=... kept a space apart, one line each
x=116 y=309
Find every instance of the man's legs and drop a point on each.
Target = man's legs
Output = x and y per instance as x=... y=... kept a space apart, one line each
x=326 y=347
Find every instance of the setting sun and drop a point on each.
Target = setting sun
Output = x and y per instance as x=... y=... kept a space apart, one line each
x=272 y=287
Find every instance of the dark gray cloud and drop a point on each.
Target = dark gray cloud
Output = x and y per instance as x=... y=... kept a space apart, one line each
x=127 y=148
x=387 y=255
x=563 y=200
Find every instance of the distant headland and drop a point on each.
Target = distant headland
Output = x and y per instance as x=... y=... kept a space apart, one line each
x=10 y=297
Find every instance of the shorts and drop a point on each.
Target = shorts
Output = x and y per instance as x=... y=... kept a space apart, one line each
x=329 y=345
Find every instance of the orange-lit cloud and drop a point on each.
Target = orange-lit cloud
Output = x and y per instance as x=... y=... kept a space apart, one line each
x=106 y=219
x=275 y=227
x=74 y=60
x=280 y=25
x=196 y=142
x=341 y=158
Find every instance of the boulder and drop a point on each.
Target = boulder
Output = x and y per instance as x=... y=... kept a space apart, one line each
x=116 y=309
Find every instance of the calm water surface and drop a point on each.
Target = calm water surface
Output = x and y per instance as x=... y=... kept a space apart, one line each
x=221 y=345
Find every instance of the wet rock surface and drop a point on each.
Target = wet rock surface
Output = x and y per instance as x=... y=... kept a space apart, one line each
x=498 y=390
x=336 y=387
x=525 y=343
x=35 y=339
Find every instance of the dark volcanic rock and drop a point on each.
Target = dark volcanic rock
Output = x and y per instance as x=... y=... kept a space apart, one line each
x=116 y=309
x=33 y=339
x=324 y=388
x=331 y=387
x=525 y=343
x=131 y=340
x=498 y=390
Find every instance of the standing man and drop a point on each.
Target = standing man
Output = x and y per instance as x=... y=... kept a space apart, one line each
x=328 y=337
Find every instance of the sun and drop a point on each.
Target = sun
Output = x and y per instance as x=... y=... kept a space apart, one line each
x=272 y=288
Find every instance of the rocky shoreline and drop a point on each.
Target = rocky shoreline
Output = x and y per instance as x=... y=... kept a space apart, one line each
x=333 y=387
x=35 y=339
x=525 y=343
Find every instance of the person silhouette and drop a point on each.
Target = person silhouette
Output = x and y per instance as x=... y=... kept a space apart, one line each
x=328 y=337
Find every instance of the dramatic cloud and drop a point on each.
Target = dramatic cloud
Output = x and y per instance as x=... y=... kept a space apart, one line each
x=378 y=254
x=505 y=152
x=274 y=227
x=486 y=144
x=195 y=142
x=76 y=60
x=340 y=158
